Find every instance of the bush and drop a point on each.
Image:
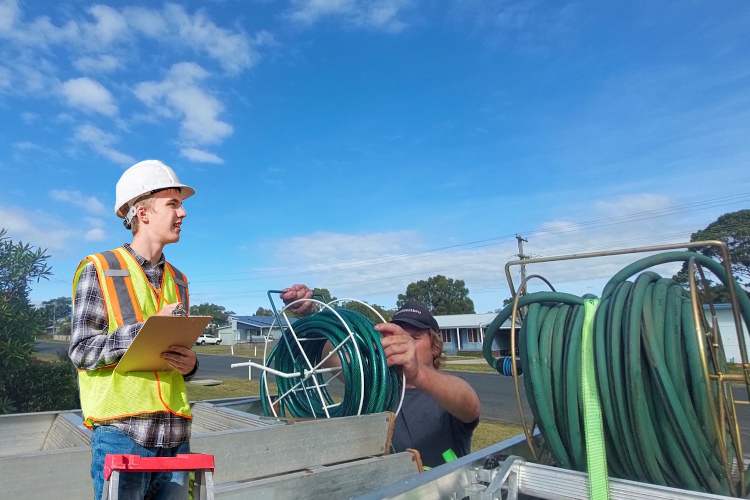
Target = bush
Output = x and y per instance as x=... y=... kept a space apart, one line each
x=44 y=386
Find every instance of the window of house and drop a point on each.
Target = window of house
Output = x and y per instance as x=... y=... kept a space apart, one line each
x=447 y=336
x=472 y=335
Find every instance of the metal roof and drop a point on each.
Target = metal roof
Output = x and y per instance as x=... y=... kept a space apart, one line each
x=260 y=321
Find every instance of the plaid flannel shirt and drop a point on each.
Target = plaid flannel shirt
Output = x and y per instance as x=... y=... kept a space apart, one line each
x=91 y=347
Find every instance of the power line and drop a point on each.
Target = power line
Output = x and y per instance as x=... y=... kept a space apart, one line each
x=274 y=273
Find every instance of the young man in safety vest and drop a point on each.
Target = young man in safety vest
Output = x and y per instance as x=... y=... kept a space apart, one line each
x=440 y=411
x=139 y=413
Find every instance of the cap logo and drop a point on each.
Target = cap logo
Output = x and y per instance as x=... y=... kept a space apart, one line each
x=409 y=310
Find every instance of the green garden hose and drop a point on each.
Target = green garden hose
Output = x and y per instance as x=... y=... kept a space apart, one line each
x=381 y=384
x=655 y=402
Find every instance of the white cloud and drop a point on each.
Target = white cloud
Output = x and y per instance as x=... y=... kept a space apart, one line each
x=372 y=266
x=25 y=146
x=232 y=50
x=101 y=64
x=87 y=94
x=76 y=198
x=95 y=234
x=39 y=229
x=110 y=24
x=9 y=14
x=180 y=96
x=102 y=143
x=200 y=156
x=109 y=28
x=372 y=14
x=531 y=27
x=29 y=118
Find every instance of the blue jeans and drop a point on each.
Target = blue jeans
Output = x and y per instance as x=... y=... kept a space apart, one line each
x=108 y=439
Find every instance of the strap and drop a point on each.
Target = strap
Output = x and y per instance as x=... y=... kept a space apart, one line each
x=596 y=456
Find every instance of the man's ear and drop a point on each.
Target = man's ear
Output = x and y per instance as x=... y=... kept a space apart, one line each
x=142 y=214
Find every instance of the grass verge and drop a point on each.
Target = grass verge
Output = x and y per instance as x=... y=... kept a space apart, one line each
x=484 y=368
x=490 y=432
x=229 y=388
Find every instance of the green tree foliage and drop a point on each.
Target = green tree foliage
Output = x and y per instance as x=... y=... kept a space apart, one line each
x=441 y=295
x=323 y=295
x=733 y=229
x=219 y=314
x=26 y=384
x=55 y=310
x=366 y=311
x=64 y=326
x=263 y=312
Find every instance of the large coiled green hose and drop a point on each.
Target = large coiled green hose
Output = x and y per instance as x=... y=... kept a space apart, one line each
x=381 y=383
x=655 y=402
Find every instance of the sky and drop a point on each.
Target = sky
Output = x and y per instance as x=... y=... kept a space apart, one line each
x=362 y=145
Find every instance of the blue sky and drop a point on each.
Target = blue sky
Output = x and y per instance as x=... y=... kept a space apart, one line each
x=360 y=145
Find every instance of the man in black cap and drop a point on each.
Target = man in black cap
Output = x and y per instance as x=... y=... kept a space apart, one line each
x=440 y=411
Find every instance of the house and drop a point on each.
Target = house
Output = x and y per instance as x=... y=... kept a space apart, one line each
x=465 y=332
x=725 y=321
x=250 y=328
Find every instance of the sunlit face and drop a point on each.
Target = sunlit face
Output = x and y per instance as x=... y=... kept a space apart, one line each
x=422 y=343
x=164 y=218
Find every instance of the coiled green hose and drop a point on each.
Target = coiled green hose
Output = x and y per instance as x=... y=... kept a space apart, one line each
x=655 y=402
x=381 y=383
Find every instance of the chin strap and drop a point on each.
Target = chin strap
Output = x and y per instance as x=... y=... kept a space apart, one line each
x=129 y=217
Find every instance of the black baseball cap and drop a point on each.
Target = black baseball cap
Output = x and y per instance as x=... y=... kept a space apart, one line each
x=415 y=314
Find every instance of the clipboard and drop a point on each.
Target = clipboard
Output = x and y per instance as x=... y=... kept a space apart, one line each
x=155 y=337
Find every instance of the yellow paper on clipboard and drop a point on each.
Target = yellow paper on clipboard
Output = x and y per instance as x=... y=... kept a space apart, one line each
x=156 y=336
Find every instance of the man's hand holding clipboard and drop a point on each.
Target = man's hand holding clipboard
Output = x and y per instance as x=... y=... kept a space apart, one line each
x=164 y=342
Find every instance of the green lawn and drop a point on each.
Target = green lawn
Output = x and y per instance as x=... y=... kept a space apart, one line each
x=483 y=368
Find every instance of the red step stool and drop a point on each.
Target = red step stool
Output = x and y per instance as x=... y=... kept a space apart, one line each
x=203 y=465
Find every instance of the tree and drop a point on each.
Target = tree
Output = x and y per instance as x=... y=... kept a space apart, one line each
x=366 y=311
x=440 y=295
x=323 y=295
x=733 y=229
x=25 y=384
x=263 y=312
x=219 y=314
x=55 y=310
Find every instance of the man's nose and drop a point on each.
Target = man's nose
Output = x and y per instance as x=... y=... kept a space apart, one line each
x=181 y=212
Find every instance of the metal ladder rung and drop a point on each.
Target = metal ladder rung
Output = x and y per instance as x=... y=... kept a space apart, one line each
x=203 y=465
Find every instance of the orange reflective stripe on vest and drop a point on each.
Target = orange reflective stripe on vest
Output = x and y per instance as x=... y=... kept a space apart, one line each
x=116 y=277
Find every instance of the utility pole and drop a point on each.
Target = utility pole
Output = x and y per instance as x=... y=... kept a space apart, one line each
x=522 y=256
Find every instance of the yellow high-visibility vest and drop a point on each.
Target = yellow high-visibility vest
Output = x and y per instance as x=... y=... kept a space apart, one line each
x=130 y=299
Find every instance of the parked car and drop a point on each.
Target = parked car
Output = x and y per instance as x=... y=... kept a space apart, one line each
x=207 y=339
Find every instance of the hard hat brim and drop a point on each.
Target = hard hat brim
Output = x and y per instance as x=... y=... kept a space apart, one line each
x=185 y=191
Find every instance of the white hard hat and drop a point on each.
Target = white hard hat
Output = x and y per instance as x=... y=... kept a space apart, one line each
x=144 y=178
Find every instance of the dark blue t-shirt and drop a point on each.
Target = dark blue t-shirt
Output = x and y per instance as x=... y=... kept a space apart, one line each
x=426 y=427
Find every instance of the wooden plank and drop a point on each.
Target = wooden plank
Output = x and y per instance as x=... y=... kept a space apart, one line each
x=253 y=453
x=344 y=481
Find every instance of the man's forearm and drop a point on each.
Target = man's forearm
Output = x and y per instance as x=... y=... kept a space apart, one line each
x=91 y=348
x=452 y=393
